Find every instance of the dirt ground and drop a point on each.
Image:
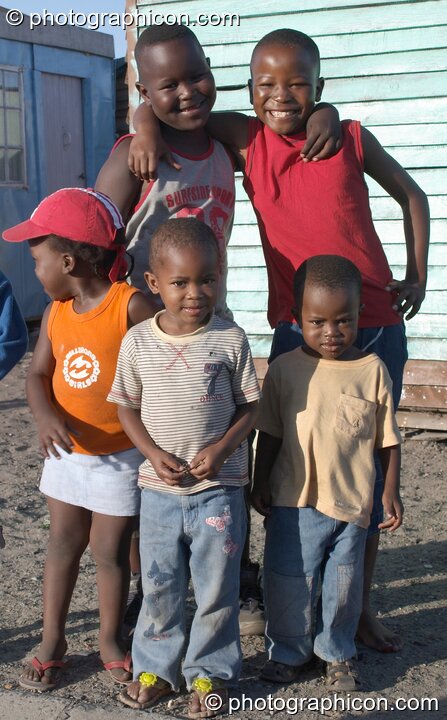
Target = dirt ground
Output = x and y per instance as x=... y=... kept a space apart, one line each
x=409 y=592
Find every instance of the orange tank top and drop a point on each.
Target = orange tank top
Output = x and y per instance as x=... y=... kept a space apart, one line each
x=85 y=347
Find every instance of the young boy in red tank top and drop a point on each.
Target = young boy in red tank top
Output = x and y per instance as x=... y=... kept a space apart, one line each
x=333 y=216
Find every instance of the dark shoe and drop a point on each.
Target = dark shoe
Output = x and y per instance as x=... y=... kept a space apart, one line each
x=277 y=672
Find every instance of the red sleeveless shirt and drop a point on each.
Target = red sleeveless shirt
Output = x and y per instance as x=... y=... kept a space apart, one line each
x=306 y=209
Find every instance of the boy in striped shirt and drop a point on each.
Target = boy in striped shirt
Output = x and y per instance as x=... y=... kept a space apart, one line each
x=187 y=394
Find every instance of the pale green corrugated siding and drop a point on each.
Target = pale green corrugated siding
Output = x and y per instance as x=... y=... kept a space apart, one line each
x=384 y=64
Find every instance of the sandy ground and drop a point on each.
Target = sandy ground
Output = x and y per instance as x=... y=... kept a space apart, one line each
x=410 y=592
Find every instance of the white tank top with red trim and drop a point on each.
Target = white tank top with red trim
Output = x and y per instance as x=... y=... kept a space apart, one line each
x=203 y=188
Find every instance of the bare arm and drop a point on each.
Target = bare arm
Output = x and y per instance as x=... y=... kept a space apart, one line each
x=323 y=132
x=140 y=308
x=116 y=180
x=392 y=503
x=416 y=215
x=165 y=465
x=231 y=128
x=51 y=426
x=148 y=146
x=267 y=449
x=207 y=463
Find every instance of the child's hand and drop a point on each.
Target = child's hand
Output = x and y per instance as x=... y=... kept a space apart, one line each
x=261 y=500
x=394 y=510
x=53 y=430
x=207 y=463
x=410 y=297
x=323 y=133
x=166 y=466
x=145 y=154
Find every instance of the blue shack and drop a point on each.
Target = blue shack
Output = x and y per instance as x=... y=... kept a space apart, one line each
x=57 y=125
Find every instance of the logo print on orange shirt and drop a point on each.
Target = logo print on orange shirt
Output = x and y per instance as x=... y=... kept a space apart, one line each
x=81 y=368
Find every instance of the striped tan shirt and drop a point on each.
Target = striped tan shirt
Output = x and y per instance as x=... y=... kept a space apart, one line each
x=187 y=388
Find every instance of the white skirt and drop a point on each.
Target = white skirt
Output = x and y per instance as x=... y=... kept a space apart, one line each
x=105 y=484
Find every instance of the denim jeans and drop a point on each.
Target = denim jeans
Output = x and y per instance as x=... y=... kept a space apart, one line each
x=390 y=344
x=181 y=536
x=302 y=546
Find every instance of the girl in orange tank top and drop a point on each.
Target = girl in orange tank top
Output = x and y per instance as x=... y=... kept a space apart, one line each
x=91 y=468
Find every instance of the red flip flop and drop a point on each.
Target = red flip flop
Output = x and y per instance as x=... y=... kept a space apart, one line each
x=125 y=664
x=40 y=668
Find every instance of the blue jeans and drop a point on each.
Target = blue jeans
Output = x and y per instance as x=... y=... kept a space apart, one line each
x=181 y=536
x=390 y=344
x=301 y=546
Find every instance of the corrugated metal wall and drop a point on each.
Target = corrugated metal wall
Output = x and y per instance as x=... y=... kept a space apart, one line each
x=384 y=64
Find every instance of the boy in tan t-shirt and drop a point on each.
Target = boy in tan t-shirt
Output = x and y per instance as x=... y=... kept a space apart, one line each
x=326 y=407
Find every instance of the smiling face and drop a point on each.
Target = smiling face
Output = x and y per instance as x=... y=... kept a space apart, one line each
x=329 y=321
x=175 y=79
x=187 y=280
x=52 y=268
x=285 y=87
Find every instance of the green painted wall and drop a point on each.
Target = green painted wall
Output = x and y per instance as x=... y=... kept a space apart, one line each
x=384 y=64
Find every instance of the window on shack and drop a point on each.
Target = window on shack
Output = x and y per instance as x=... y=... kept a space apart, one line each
x=12 y=147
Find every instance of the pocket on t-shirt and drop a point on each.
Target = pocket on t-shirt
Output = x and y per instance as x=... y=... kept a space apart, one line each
x=355 y=416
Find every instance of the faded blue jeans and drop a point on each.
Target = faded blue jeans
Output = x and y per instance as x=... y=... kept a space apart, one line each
x=199 y=536
x=301 y=546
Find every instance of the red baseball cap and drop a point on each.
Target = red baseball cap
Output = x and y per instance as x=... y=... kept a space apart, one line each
x=78 y=214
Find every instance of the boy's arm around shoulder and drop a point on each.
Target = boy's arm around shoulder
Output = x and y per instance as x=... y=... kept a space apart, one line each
x=323 y=131
x=416 y=217
x=231 y=129
x=13 y=332
x=117 y=182
x=148 y=147
x=51 y=426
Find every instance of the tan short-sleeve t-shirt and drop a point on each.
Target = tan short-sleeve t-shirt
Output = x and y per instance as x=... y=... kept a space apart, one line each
x=330 y=415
